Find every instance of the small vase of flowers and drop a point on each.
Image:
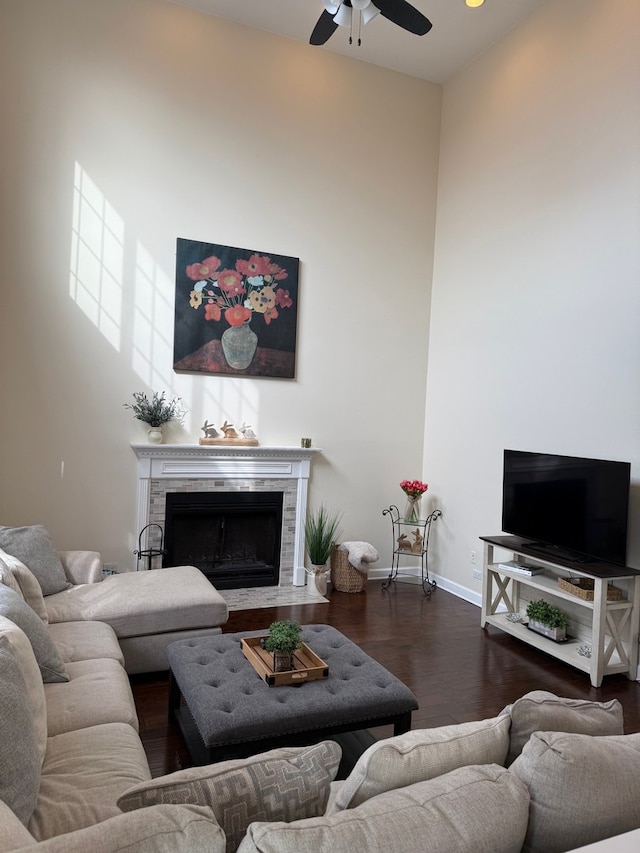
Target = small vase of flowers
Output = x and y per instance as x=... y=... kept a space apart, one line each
x=414 y=490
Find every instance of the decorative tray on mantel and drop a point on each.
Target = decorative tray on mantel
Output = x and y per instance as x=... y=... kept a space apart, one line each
x=307 y=666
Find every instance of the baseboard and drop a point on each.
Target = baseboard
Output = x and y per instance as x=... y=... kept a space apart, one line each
x=412 y=575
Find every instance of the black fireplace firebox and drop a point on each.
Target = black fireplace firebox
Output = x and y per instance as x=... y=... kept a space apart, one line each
x=232 y=537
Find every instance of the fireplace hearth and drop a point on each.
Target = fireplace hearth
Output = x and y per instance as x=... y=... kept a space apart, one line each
x=232 y=537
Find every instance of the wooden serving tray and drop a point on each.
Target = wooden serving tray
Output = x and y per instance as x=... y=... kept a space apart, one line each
x=307 y=666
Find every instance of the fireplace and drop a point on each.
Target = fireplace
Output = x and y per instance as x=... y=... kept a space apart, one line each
x=232 y=537
x=165 y=469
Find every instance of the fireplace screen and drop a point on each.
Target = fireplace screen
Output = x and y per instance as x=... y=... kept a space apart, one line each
x=232 y=537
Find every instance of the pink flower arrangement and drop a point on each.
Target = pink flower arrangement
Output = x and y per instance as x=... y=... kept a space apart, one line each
x=254 y=285
x=414 y=488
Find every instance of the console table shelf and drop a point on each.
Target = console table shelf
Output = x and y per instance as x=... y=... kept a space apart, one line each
x=612 y=625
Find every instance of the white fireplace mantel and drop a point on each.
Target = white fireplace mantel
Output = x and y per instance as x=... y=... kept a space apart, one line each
x=214 y=462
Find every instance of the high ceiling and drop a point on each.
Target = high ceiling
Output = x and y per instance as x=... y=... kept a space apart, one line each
x=459 y=33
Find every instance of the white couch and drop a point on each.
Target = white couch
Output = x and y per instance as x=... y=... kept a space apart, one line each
x=147 y=609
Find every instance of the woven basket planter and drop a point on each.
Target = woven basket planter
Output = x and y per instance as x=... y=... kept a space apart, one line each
x=343 y=575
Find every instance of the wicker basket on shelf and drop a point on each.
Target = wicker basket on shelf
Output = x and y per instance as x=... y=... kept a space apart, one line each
x=344 y=577
x=583 y=588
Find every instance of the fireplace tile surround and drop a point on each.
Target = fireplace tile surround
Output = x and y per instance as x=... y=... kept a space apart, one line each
x=201 y=468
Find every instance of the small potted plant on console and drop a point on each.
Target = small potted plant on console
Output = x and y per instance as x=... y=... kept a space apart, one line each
x=284 y=638
x=547 y=620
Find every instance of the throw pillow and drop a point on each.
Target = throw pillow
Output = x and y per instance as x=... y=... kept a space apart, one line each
x=582 y=788
x=420 y=755
x=283 y=784
x=160 y=829
x=34 y=547
x=540 y=711
x=30 y=589
x=7 y=577
x=470 y=810
x=15 y=608
x=34 y=688
x=20 y=761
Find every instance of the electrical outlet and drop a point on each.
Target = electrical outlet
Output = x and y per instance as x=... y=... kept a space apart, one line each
x=109 y=569
x=474 y=558
x=477 y=574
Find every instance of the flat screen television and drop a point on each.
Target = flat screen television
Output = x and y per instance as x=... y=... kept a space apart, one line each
x=565 y=505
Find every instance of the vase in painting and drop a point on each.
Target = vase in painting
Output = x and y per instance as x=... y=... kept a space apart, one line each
x=239 y=346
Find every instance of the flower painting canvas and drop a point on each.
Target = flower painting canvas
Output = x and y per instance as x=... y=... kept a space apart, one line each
x=236 y=311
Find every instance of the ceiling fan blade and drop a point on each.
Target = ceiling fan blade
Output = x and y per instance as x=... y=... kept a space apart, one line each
x=324 y=29
x=404 y=15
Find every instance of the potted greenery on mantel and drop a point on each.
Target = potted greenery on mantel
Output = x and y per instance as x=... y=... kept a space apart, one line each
x=283 y=640
x=548 y=620
x=155 y=412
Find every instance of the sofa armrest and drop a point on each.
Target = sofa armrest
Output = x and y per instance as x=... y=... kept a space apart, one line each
x=82 y=566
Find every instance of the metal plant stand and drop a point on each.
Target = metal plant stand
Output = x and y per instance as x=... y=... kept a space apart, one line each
x=149 y=552
x=420 y=530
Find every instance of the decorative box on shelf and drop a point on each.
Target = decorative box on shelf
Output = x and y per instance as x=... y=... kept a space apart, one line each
x=307 y=666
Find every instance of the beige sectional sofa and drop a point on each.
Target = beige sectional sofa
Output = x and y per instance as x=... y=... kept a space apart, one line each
x=547 y=774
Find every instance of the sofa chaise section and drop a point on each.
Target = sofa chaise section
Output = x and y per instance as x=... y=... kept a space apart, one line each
x=147 y=610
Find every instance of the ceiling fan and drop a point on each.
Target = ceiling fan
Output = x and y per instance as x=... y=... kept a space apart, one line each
x=340 y=13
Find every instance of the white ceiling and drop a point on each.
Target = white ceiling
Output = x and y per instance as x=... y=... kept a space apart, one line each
x=459 y=33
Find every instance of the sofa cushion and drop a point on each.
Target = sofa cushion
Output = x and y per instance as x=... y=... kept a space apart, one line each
x=13 y=833
x=469 y=810
x=147 y=602
x=582 y=788
x=20 y=757
x=540 y=711
x=423 y=754
x=85 y=641
x=15 y=608
x=33 y=546
x=83 y=774
x=29 y=587
x=160 y=829
x=98 y=691
x=283 y=784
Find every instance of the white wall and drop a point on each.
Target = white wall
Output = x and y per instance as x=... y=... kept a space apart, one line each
x=534 y=341
x=183 y=125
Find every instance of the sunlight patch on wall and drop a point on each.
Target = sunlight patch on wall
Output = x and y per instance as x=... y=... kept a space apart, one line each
x=152 y=356
x=97 y=257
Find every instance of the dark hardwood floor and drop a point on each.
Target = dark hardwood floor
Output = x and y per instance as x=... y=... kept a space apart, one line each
x=457 y=670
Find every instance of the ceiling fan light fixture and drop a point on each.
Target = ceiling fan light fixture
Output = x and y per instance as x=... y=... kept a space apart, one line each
x=369 y=13
x=360 y=4
x=331 y=7
x=343 y=16
x=473 y=4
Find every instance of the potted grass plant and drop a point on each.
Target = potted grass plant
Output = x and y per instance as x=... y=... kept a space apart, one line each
x=548 y=620
x=321 y=529
x=283 y=639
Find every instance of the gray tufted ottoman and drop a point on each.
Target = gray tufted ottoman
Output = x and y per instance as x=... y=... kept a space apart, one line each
x=225 y=710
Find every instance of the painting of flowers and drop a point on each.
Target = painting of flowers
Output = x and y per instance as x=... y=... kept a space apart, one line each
x=235 y=311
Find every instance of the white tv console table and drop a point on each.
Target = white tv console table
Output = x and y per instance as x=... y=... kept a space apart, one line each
x=613 y=624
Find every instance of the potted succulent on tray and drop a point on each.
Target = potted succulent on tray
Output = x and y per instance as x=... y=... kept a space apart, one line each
x=283 y=639
x=321 y=529
x=547 y=620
